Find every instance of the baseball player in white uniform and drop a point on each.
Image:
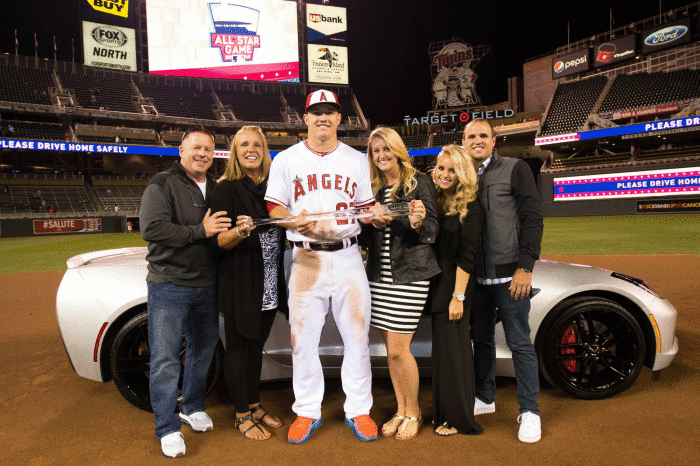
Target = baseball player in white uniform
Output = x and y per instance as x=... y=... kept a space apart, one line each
x=319 y=175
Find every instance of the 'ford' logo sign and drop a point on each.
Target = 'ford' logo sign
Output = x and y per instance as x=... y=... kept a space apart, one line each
x=666 y=35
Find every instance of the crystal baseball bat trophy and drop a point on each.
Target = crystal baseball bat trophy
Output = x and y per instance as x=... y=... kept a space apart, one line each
x=394 y=209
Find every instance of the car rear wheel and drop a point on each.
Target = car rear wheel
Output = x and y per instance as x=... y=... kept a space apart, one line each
x=591 y=348
x=130 y=366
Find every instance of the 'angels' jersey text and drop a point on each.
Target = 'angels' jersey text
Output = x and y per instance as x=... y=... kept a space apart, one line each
x=337 y=182
x=301 y=179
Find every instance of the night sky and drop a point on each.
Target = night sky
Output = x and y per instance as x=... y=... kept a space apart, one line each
x=388 y=41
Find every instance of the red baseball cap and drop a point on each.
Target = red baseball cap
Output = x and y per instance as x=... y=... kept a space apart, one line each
x=322 y=96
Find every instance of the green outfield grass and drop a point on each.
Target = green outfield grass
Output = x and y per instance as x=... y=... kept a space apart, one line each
x=46 y=253
x=641 y=234
x=628 y=234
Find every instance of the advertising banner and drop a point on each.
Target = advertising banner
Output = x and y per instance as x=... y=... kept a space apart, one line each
x=326 y=25
x=107 y=46
x=644 y=111
x=327 y=64
x=572 y=63
x=668 y=206
x=49 y=227
x=666 y=35
x=114 y=12
x=91 y=148
x=652 y=128
x=236 y=39
x=614 y=51
x=111 y=7
x=651 y=183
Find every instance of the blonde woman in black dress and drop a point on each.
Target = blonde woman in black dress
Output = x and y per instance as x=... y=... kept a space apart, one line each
x=452 y=293
x=400 y=264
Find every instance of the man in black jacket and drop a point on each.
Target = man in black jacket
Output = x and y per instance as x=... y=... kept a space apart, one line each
x=511 y=239
x=181 y=293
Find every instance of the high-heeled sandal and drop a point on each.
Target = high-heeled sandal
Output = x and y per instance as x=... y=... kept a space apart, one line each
x=393 y=424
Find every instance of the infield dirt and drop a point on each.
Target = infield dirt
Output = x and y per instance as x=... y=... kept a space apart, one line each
x=54 y=417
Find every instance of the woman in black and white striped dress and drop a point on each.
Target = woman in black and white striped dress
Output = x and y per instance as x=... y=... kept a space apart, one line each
x=400 y=264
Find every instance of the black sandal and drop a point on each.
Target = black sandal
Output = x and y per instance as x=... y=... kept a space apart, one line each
x=446 y=426
x=257 y=408
x=241 y=420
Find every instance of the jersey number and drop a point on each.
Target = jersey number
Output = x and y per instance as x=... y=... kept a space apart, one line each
x=344 y=206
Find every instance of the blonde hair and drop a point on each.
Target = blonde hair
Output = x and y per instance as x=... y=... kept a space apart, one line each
x=233 y=167
x=407 y=174
x=465 y=190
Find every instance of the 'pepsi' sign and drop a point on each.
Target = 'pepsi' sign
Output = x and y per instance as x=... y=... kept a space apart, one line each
x=572 y=63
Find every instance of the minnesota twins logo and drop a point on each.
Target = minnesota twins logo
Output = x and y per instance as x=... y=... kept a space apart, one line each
x=235 y=30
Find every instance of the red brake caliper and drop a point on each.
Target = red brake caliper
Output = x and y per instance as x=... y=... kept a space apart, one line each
x=569 y=338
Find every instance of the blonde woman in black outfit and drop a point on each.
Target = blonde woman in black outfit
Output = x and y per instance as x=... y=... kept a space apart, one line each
x=400 y=263
x=251 y=287
x=452 y=293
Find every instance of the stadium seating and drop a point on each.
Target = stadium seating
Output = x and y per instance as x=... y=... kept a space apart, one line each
x=33 y=130
x=253 y=107
x=179 y=101
x=443 y=139
x=29 y=85
x=631 y=91
x=571 y=105
x=24 y=198
x=121 y=191
x=99 y=92
x=416 y=141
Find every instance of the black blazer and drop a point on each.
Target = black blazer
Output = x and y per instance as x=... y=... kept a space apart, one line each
x=412 y=255
x=456 y=246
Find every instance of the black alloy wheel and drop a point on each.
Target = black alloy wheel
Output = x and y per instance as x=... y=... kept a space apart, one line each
x=591 y=348
x=130 y=362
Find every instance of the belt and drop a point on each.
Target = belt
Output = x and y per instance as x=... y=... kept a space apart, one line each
x=330 y=246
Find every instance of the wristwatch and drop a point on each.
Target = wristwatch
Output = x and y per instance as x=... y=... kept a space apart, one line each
x=459 y=296
x=525 y=270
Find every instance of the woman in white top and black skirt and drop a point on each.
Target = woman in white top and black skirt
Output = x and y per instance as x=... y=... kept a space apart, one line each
x=400 y=264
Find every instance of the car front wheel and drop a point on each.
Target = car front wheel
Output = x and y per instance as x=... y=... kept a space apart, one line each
x=591 y=348
x=130 y=362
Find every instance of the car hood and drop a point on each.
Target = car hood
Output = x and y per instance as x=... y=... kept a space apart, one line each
x=110 y=257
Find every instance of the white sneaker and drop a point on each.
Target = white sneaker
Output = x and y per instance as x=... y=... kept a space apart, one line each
x=530 y=429
x=173 y=445
x=482 y=408
x=199 y=421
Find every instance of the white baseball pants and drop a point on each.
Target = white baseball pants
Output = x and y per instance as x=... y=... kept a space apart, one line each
x=319 y=280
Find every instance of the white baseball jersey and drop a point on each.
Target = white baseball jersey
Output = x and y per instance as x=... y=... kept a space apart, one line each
x=301 y=178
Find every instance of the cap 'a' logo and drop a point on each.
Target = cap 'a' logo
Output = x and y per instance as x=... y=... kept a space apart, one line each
x=235 y=30
x=323 y=98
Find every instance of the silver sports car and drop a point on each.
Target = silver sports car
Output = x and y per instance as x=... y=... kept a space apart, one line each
x=593 y=329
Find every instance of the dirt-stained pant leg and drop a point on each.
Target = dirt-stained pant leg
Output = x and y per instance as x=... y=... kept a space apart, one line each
x=308 y=306
x=351 y=307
